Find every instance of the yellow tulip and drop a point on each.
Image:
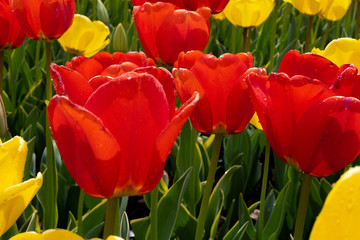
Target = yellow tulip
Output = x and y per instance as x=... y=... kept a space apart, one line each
x=256 y=122
x=59 y=234
x=15 y=195
x=311 y=7
x=339 y=217
x=342 y=51
x=248 y=13
x=337 y=10
x=84 y=37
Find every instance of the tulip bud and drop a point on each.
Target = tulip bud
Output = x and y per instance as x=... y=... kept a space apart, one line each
x=102 y=13
x=3 y=121
x=120 y=39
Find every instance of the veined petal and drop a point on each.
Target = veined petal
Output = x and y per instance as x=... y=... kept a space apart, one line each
x=12 y=162
x=331 y=140
x=89 y=151
x=14 y=200
x=135 y=110
x=68 y=82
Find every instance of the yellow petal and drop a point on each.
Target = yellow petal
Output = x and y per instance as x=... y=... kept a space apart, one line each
x=311 y=7
x=12 y=162
x=59 y=234
x=219 y=16
x=339 y=217
x=114 y=238
x=85 y=37
x=14 y=200
x=342 y=51
x=256 y=122
x=337 y=10
x=248 y=13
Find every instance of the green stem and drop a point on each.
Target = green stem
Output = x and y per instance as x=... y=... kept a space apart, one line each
x=94 y=7
x=245 y=39
x=80 y=213
x=1 y=70
x=273 y=35
x=37 y=61
x=51 y=176
x=153 y=216
x=208 y=186
x=111 y=208
x=263 y=190
x=302 y=207
x=323 y=44
x=357 y=25
x=308 y=34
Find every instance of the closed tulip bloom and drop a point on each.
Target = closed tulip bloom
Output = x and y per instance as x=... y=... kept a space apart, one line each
x=165 y=31
x=15 y=195
x=310 y=112
x=311 y=7
x=85 y=37
x=341 y=210
x=336 y=10
x=225 y=105
x=248 y=13
x=341 y=51
x=11 y=35
x=216 y=6
x=44 y=19
x=52 y=234
x=114 y=131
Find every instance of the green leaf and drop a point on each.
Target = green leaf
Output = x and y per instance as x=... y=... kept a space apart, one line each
x=140 y=227
x=216 y=220
x=244 y=217
x=236 y=232
x=273 y=227
x=124 y=227
x=168 y=206
x=185 y=225
x=93 y=218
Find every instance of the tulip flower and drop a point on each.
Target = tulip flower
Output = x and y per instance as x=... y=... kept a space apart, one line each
x=165 y=31
x=341 y=51
x=114 y=131
x=11 y=35
x=216 y=6
x=43 y=19
x=310 y=112
x=224 y=105
x=85 y=37
x=15 y=195
x=245 y=13
x=59 y=234
x=341 y=210
x=336 y=10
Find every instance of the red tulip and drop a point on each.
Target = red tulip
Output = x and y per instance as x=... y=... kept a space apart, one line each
x=310 y=112
x=44 y=19
x=114 y=136
x=225 y=105
x=216 y=6
x=165 y=31
x=11 y=35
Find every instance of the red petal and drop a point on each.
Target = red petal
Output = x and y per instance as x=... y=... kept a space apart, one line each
x=89 y=151
x=27 y=14
x=85 y=66
x=327 y=138
x=99 y=80
x=70 y=83
x=309 y=65
x=119 y=69
x=135 y=110
x=345 y=83
x=167 y=81
x=166 y=140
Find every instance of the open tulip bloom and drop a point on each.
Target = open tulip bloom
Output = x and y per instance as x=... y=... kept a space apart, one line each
x=114 y=131
x=225 y=105
x=310 y=112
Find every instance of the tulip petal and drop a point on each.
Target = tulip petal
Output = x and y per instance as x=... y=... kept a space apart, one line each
x=89 y=151
x=341 y=210
x=12 y=162
x=309 y=65
x=166 y=140
x=14 y=200
x=70 y=83
x=58 y=234
x=89 y=68
x=331 y=140
x=124 y=105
